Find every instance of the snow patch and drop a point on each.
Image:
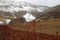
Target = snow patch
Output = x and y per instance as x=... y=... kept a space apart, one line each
x=29 y=17
x=1 y=22
x=8 y=21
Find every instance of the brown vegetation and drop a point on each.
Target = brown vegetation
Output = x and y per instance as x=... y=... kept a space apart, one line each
x=6 y=33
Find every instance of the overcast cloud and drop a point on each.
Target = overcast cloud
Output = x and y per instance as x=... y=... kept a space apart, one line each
x=45 y=2
x=40 y=2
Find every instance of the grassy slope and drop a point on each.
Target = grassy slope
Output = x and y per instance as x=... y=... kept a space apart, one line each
x=49 y=27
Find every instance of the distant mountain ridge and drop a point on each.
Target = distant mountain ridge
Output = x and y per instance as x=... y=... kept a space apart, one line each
x=52 y=13
x=15 y=6
x=20 y=8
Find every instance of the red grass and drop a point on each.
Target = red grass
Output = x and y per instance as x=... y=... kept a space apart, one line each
x=7 y=33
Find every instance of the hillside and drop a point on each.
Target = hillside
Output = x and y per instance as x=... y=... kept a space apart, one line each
x=53 y=13
x=11 y=9
x=48 y=23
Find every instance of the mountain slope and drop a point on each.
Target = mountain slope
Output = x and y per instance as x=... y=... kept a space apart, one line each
x=12 y=9
x=15 y=7
x=52 y=13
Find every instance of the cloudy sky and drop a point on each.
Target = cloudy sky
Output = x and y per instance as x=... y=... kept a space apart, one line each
x=42 y=2
x=45 y=2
